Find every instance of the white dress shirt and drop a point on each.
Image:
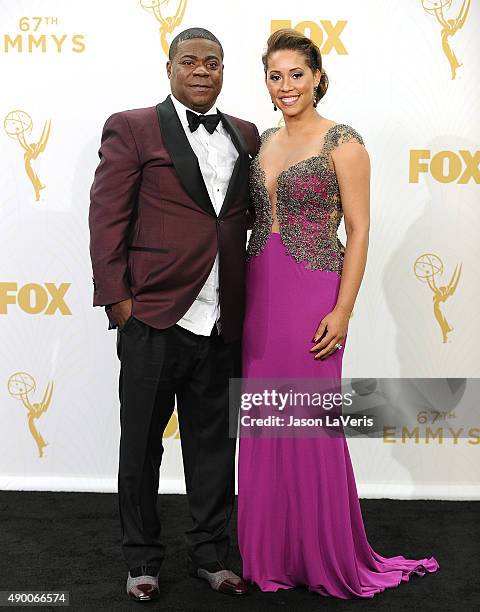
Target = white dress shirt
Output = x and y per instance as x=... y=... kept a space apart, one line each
x=216 y=155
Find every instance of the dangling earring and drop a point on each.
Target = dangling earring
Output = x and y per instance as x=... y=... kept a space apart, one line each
x=315 y=94
x=274 y=107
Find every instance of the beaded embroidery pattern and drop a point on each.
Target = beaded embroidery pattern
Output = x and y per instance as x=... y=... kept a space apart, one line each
x=309 y=207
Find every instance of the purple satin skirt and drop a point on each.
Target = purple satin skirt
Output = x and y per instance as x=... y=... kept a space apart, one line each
x=299 y=517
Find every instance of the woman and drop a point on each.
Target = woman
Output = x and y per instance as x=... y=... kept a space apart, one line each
x=299 y=516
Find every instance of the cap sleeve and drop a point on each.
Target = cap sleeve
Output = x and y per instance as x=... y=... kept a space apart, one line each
x=341 y=134
x=264 y=136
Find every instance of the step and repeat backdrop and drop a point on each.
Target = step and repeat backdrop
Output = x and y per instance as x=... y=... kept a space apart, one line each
x=404 y=74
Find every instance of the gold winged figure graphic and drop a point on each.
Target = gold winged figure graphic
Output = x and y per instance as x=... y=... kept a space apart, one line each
x=441 y=295
x=449 y=25
x=168 y=23
x=20 y=385
x=18 y=124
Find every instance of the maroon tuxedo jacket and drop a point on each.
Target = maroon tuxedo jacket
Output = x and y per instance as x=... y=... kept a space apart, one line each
x=154 y=232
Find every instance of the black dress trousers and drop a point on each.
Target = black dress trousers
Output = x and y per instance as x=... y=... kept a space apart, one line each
x=156 y=366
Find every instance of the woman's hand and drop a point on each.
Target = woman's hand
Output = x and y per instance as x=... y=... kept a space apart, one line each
x=333 y=327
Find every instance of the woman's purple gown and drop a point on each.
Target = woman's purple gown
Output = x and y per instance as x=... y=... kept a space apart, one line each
x=299 y=517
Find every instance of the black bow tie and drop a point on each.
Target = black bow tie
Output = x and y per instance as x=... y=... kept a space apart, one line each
x=209 y=121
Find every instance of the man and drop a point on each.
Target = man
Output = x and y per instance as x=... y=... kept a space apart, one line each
x=168 y=220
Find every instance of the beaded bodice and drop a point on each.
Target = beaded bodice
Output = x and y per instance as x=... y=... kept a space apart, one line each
x=308 y=207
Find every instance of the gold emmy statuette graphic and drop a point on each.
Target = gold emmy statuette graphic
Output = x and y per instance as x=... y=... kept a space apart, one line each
x=426 y=267
x=20 y=385
x=442 y=10
x=171 y=430
x=168 y=23
x=18 y=124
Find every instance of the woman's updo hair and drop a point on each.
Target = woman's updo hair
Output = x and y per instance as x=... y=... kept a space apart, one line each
x=291 y=40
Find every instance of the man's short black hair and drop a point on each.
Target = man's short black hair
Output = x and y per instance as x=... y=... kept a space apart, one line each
x=190 y=34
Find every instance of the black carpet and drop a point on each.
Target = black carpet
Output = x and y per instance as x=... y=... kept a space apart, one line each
x=71 y=541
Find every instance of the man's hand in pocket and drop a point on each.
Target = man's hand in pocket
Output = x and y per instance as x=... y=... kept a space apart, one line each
x=122 y=311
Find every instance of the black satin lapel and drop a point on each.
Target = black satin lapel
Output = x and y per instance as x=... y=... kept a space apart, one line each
x=183 y=157
x=235 y=134
x=240 y=169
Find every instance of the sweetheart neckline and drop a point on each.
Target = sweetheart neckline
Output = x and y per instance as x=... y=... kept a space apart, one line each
x=279 y=175
x=277 y=180
x=301 y=161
